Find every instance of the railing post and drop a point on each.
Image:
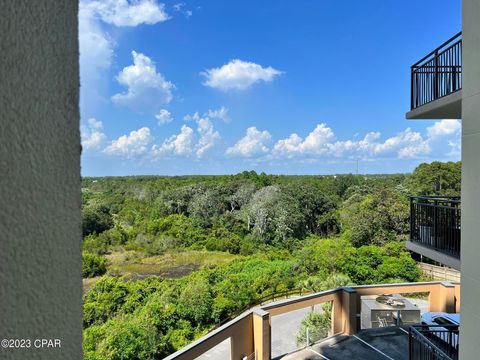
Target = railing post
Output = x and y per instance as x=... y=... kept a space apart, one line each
x=337 y=314
x=261 y=334
x=412 y=87
x=436 y=81
x=435 y=224
x=349 y=311
x=411 y=219
x=410 y=343
x=442 y=298
x=242 y=339
x=454 y=78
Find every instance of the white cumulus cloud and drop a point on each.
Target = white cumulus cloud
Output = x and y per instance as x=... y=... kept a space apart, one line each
x=92 y=134
x=96 y=47
x=131 y=145
x=253 y=143
x=321 y=142
x=128 y=12
x=163 y=117
x=314 y=143
x=179 y=144
x=444 y=127
x=207 y=136
x=238 y=75
x=220 y=113
x=146 y=88
x=405 y=144
x=188 y=142
x=192 y=117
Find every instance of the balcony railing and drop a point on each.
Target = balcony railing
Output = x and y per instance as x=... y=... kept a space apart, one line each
x=435 y=223
x=251 y=332
x=433 y=342
x=438 y=74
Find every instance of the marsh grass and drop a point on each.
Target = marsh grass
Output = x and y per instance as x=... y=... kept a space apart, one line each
x=134 y=264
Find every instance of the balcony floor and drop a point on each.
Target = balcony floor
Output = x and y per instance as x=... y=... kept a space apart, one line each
x=433 y=254
x=447 y=107
x=370 y=344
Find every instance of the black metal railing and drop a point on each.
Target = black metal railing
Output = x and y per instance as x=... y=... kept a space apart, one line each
x=435 y=223
x=438 y=74
x=433 y=342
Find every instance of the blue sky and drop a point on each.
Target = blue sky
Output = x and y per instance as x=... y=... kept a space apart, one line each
x=286 y=87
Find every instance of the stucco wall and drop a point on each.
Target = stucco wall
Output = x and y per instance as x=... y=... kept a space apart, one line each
x=40 y=222
x=470 y=252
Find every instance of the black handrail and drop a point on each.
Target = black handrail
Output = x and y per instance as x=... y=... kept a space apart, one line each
x=439 y=48
x=437 y=74
x=435 y=223
x=433 y=342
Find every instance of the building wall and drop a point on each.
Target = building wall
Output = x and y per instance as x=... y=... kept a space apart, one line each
x=40 y=220
x=470 y=252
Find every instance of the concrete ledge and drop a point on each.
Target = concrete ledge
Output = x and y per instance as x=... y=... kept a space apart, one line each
x=447 y=107
x=430 y=253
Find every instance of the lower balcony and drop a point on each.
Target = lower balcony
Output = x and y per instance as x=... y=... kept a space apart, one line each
x=435 y=229
x=436 y=83
x=358 y=328
x=433 y=342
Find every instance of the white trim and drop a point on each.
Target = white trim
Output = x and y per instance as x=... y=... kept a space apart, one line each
x=373 y=347
x=317 y=353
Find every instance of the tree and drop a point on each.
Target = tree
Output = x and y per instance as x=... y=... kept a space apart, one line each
x=273 y=216
x=177 y=230
x=372 y=264
x=96 y=220
x=322 y=257
x=436 y=179
x=242 y=196
x=195 y=301
x=175 y=200
x=318 y=209
x=376 y=218
x=206 y=204
x=333 y=281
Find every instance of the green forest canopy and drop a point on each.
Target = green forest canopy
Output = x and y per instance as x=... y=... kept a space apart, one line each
x=283 y=233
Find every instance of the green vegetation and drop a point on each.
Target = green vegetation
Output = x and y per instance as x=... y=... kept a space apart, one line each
x=316 y=325
x=182 y=254
x=93 y=265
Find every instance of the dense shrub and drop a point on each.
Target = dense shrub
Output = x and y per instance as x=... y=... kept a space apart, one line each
x=93 y=265
x=316 y=324
x=96 y=219
x=122 y=339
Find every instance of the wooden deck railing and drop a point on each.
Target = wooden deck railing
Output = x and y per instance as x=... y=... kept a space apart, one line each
x=250 y=332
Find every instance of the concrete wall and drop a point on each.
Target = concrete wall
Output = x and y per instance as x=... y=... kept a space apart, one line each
x=40 y=221
x=470 y=252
